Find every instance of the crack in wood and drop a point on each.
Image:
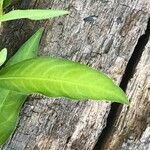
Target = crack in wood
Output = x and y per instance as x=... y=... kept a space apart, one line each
x=129 y=72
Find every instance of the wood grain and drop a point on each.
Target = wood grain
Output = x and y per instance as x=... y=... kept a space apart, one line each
x=131 y=128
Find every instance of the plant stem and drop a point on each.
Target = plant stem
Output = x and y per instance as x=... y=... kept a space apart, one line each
x=1 y=8
x=1 y=12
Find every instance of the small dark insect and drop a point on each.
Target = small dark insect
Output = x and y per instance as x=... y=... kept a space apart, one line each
x=119 y=20
x=90 y=19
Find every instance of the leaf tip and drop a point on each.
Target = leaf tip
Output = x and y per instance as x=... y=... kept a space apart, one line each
x=123 y=98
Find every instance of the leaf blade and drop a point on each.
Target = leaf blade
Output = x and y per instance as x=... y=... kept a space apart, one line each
x=7 y=3
x=37 y=14
x=68 y=79
x=9 y=110
x=28 y=50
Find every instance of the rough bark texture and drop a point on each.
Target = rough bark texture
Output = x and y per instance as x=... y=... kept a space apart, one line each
x=131 y=129
x=137 y=118
x=107 y=44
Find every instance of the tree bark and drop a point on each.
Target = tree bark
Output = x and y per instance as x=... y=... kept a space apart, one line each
x=106 y=44
x=131 y=128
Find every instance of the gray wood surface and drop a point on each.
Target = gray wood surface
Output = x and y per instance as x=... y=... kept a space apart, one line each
x=131 y=129
x=105 y=44
x=138 y=114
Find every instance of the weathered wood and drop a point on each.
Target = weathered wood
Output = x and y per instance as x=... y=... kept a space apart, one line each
x=132 y=126
x=106 y=44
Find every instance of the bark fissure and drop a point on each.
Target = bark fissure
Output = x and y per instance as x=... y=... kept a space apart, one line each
x=129 y=72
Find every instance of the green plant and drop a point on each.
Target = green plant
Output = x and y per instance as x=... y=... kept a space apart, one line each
x=25 y=74
x=10 y=101
x=7 y=3
x=55 y=77
x=37 y=14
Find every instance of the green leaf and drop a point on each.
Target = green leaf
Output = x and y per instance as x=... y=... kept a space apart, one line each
x=1 y=1
x=3 y=56
x=7 y=3
x=1 y=8
x=55 y=77
x=28 y=50
x=10 y=106
x=10 y=101
x=35 y=14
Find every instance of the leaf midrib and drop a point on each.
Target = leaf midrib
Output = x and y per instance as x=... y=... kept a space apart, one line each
x=46 y=79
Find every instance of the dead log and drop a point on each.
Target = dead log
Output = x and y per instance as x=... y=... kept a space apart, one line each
x=105 y=43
